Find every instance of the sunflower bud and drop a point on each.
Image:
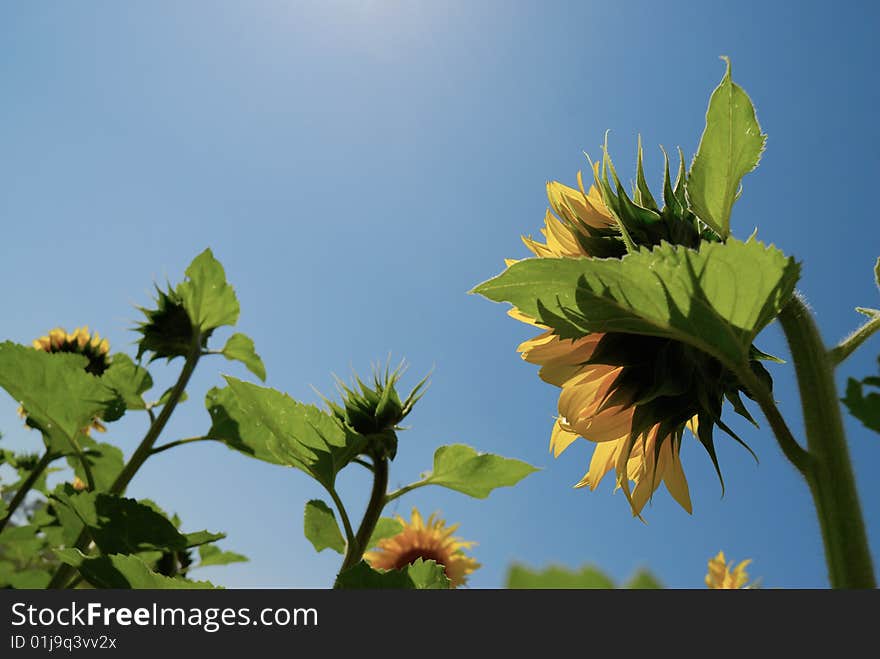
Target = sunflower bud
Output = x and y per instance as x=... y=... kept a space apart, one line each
x=375 y=411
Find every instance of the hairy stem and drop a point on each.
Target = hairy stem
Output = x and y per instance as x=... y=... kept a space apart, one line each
x=829 y=473
x=846 y=347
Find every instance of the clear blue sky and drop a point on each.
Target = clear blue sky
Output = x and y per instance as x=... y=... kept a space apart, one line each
x=359 y=166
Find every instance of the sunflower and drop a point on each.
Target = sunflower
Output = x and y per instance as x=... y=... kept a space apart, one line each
x=724 y=576
x=632 y=395
x=80 y=342
x=429 y=541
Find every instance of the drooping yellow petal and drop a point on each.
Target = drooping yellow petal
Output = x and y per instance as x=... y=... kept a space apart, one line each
x=561 y=438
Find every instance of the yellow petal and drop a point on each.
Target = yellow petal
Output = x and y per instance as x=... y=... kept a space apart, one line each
x=561 y=438
x=674 y=478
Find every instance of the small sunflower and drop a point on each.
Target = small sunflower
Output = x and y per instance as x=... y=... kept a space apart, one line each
x=724 y=576
x=632 y=395
x=80 y=342
x=429 y=541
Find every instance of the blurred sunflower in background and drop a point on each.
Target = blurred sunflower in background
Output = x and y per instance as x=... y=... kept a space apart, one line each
x=724 y=576
x=431 y=540
x=633 y=395
x=80 y=342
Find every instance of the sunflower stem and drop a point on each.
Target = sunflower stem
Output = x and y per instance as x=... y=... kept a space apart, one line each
x=829 y=473
x=343 y=514
x=26 y=486
x=355 y=550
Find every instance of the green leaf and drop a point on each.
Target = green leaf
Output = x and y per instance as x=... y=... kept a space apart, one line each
x=125 y=526
x=30 y=579
x=321 y=528
x=421 y=575
x=128 y=380
x=201 y=538
x=20 y=543
x=122 y=571
x=235 y=428
x=643 y=580
x=863 y=404
x=362 y=576
x=557 y=577
x=262 y=420
x=716 y=299
x=59 y=396
x=208 y=299
x=105 y=461
x=386 y=527
x=463 y=469
x=428 y=575
x=730 y=148
x=240 y=347
x=213 y=555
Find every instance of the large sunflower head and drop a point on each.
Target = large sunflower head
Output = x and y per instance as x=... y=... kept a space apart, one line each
x=633 y=395
x=724 y=576
x=431 y=540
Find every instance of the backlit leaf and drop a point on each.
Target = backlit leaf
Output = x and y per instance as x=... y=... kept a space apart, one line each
x=730 y=148
x=321 y=528
x=716 y=299
x=240 y=347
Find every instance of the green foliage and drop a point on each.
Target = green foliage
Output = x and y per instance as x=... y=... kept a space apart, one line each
x=730 y=148
x=463 y=469
x=118 y=525
x=105 y=462
x=321 y=528
x=124 y=571
x=643 y=580
x=716 y=299
x=190 y=312
x=558 y=577
x=520 y=577
x=862 y=403
x=213 y=555
x=60 y=398
x=265 y=421
x=428 y=575
x=240 y=347
x=421 y=575
x=231 y=425
x=208 y=299
x=128 y=380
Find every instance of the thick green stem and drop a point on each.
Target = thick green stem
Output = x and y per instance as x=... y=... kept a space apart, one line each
x=142 y=452
x=829 y=473
x=26 y=486
x=355 y=550
x=146 y=446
